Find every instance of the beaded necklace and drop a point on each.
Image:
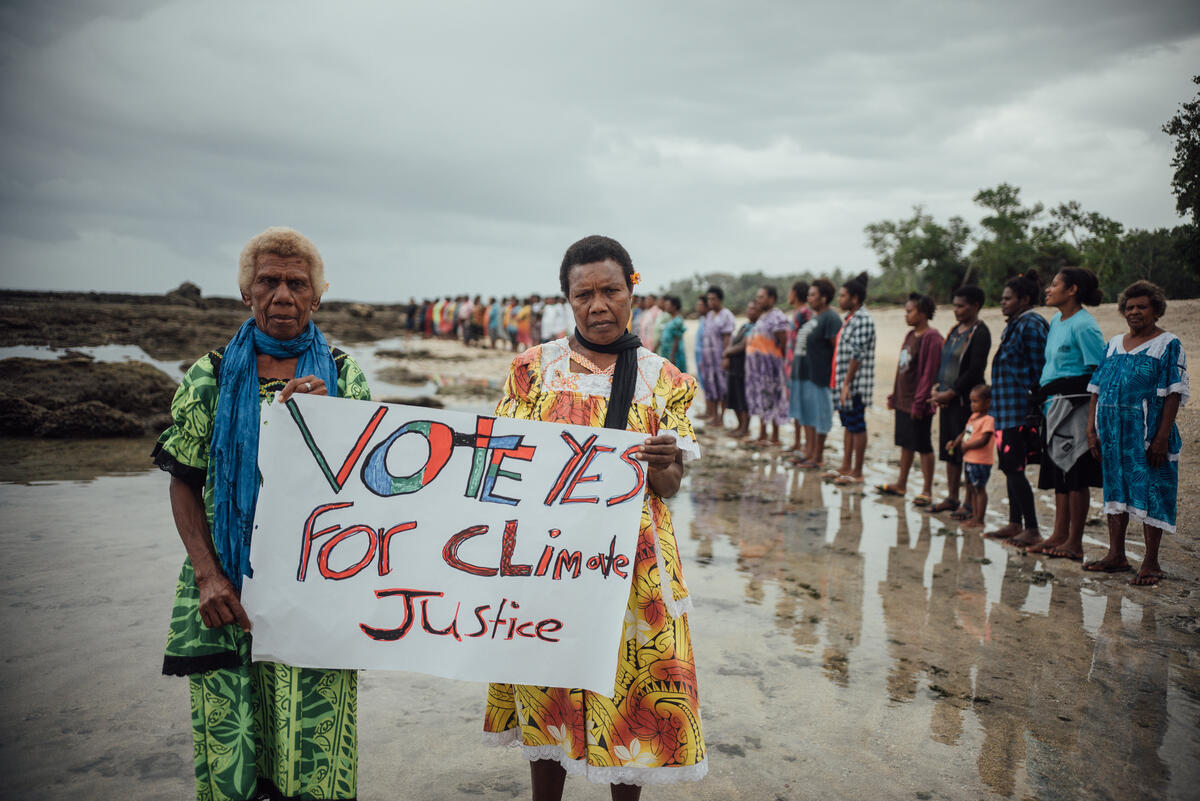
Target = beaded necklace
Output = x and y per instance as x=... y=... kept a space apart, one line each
x=590 y=366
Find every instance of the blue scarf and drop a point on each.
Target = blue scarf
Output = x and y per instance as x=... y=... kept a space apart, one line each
x=234 y=448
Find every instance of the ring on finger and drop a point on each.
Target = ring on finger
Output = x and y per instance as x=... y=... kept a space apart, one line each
x=307 y=387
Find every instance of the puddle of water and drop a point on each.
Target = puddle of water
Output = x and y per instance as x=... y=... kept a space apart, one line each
x=101 y=353
x=29 y=461
x=372 y=363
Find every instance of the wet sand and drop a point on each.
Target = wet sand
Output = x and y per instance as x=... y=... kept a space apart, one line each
x=848 y=646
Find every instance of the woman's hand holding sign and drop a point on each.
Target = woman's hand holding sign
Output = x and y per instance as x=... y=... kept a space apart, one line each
x=309 y=384
x=664 y=463
x=219 y=602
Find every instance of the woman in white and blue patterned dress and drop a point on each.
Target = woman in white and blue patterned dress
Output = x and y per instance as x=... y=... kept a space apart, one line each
x=1136 y=392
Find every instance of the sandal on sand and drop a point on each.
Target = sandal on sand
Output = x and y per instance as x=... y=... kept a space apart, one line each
x=1055 y=552
x=846 y=481
x=889 y=489
x=922 y=500
x=946 y=505
x=1100 y=567
x=958 y=514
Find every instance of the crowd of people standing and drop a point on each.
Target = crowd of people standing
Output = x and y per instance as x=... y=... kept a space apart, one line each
x=1047 y=400
x=1060 y=397
x=794 y=366
x=1093 y=415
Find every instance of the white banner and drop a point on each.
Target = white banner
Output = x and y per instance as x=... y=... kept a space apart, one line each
x=447 y=543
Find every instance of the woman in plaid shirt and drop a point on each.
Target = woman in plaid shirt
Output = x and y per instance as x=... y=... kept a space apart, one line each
x=853 y=377
x=1017 y=369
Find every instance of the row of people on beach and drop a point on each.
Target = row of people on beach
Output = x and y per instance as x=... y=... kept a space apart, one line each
x=1093 y=414
x=802 y=365
x=512 y=323
x=519 y=323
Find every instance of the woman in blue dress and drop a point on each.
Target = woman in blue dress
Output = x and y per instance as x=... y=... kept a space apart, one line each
x=1136 y=392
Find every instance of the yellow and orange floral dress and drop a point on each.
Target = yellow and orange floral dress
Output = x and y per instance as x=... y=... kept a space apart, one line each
x=648 y=731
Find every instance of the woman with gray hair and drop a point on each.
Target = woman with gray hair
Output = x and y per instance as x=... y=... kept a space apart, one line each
x=259 y=729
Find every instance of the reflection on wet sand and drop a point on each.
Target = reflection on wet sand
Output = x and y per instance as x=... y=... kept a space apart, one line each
x=848 y=646
x=1052 y=686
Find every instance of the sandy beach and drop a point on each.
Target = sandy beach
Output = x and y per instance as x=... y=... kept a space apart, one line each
x=848 y=645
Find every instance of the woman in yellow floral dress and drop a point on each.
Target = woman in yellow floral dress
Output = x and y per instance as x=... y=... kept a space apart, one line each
x=648 y=731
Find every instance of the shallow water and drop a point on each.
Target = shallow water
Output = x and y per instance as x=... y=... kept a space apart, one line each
x=100 y=353
x=367 y=355
x=848 y=647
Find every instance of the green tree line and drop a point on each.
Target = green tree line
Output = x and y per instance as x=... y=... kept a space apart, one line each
x=919 y=253
x=922 y=254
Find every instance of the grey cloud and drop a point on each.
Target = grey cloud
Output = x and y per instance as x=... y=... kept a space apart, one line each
x=424 y=147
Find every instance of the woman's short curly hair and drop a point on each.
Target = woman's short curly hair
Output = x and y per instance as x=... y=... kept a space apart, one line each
x=287 y=243
x=590 y=250
x=1144 y=289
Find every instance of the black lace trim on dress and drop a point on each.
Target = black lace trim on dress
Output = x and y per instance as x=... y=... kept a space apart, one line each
x=191 y=665
x=192 y=476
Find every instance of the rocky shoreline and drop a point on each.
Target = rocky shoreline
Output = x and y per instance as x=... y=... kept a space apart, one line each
x=178 y=325
x=76 y=396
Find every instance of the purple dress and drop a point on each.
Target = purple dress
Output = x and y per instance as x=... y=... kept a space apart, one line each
x=766 y=393
x=717 y=326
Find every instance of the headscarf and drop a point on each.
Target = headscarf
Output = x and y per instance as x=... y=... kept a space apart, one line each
x=234 y=449
x=624 y=376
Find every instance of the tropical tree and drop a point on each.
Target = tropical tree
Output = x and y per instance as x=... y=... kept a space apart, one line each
x=1011 y=241
x=918 y=253
x=1167 y=256
x=1096 y=238
x=1185 y=127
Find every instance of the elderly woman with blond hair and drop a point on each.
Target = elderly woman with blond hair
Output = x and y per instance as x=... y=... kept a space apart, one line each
x=259 y=729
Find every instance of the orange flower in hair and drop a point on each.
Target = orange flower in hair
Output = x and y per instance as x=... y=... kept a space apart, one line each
x=635 y=279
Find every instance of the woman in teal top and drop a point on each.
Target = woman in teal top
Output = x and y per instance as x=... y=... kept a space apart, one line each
x=1074 y=347
x=670 y=344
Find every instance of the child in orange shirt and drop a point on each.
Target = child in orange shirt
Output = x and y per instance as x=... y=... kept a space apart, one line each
x=978 y=454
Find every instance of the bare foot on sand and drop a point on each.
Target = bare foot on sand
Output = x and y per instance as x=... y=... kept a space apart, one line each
x=1058 y=552
x=1029 y=539
x=1147 y=577
x=1109 y=564
x=1004 y=533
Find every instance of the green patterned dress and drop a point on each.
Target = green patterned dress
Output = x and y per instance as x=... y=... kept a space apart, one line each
x=260 y=729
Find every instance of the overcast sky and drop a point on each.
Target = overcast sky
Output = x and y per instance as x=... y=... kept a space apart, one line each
x=433 y=148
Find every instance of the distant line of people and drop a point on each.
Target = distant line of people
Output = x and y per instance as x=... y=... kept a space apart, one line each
x=796 y=366
x=510 y=323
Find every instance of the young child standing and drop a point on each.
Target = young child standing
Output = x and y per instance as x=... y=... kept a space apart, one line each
x=975 y=445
